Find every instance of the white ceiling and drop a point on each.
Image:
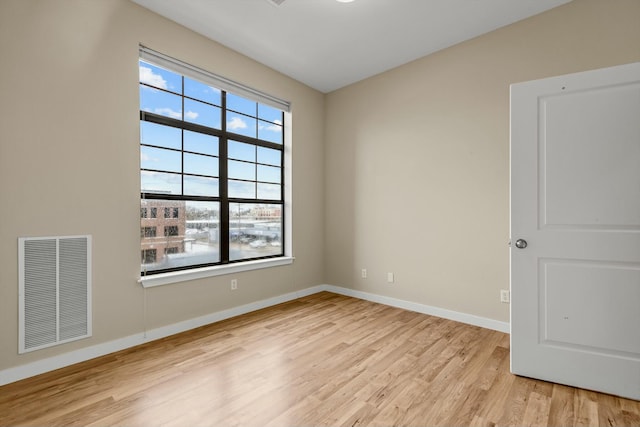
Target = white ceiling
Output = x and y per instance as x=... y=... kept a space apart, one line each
x=327 y=44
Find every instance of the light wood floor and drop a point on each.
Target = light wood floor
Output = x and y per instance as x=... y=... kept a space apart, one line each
x=321 y=360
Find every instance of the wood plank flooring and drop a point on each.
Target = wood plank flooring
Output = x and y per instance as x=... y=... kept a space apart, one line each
x=322 y=360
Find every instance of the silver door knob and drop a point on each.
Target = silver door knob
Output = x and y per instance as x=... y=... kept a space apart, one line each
x=521 y=243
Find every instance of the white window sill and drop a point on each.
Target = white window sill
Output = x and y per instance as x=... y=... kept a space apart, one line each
x=218 y=270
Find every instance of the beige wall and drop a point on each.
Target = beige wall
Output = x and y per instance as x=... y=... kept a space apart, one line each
x=417 y=158
x=69 y=160
x=413 y=163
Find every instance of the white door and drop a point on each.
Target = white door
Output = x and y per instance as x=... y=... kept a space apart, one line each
x=575 y=205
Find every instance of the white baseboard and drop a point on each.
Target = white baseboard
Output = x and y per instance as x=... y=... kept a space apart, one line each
x=56 y=362
x=176 y=328
x=49 y=364
x=470 y=319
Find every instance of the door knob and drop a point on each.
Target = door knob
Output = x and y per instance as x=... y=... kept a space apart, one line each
x=521 y=243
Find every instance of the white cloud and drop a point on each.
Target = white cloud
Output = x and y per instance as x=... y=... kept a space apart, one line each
x=144 y=157
x=149 y=77
x=168 y=112
x=273 y=128
x=165 y=111
x=236 y=123
x=191 y=115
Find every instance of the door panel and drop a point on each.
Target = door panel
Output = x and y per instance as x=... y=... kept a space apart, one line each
x=575 y=198
x=591 y=158
x=578 y=298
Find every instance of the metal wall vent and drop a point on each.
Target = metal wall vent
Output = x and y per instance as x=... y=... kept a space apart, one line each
x=54 y=290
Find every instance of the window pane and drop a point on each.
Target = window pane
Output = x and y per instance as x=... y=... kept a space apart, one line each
x=202 y=114
x=242 y=189
x=269 y=156
x=159 y=182
x=200 y=165
x=242 y=170
x=159 y=102
x=201 y=91
x=181 y=159
x=255 y=230
x=241 y=105
x=270 y=114
x=191 y=237
x=171 y=230
x=163 y=136
x=241 y=151
x=148 y=256
x=200 y=186
x=270 y=132
x=148 y=231
x=171 y=212
x=242 y=125
x=159 y=77
x=160 y=159
x=269 y=174
x=269 y=191
x=200 y=143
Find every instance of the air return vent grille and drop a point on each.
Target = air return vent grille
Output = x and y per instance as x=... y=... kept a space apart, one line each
x=54 y=290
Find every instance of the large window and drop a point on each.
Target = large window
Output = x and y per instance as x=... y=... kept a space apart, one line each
x=212 y=171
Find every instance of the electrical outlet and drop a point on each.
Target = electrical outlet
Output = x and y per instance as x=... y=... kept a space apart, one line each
x=505 y=296
x=234 y=284
x=390 y=277
x=363 y=273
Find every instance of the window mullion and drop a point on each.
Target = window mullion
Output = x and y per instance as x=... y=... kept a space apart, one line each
x=182 y=140
x=224 y=186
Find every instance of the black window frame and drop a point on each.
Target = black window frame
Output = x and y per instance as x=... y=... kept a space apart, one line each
x=224 y=201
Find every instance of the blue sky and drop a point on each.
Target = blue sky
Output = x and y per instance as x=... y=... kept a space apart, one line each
x=244 y=158
x=266 y=123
